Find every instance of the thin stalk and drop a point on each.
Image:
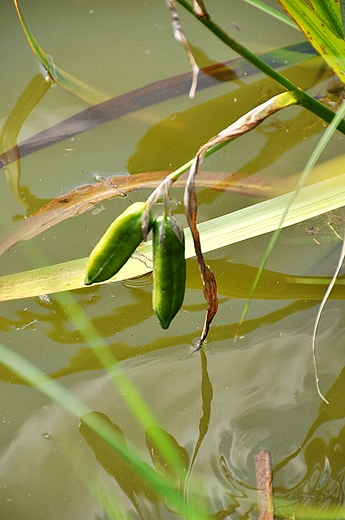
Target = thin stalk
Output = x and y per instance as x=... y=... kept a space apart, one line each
x=305 y=99
x=307 y=169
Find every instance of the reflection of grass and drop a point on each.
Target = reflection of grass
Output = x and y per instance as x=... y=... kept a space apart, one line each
x=165 y=486
x=168 y=477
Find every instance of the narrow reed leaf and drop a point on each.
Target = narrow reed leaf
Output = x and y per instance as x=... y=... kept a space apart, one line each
x=272 y=12
x=60 y=76
x=329 y=11
x=320 y=33
x=216 y=233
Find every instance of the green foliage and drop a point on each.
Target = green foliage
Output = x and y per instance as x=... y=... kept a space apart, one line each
x=322 y=28
x=111 y=254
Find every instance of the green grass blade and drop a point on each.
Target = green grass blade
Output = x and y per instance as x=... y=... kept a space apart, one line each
x=272 y=12
x=320 y=34
x=329 y=10
x=62 y=78
x=255 y=220
x=309 y=166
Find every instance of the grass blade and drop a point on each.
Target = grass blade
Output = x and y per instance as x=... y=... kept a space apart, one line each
x=320 y=34
x=272 y=12
x=60 y=76
x=231 y=228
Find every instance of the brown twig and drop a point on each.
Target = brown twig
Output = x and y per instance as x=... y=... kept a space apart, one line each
x=264 y=484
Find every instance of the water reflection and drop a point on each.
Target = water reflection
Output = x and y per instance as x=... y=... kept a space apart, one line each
x=220 y=410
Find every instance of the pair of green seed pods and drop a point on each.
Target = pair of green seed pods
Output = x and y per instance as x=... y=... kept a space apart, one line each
x=169 y=265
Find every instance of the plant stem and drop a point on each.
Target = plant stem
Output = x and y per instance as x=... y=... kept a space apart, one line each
x=305 y=99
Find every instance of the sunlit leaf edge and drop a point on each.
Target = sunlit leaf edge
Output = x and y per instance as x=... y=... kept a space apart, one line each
x=225 y=230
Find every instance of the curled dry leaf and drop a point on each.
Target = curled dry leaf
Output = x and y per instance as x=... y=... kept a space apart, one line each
x=208 y=278
x=180 y=37
x=243 y=125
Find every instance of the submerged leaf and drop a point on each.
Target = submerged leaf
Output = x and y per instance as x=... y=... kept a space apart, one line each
x=27 y=101
x=151 y=94
x=60 y=76
x=176 y=472
x=113 y=462
x=84 y=198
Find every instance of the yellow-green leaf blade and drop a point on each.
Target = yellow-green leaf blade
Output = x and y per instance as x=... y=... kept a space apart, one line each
x=329 y=10
x=320 y=34
x=216 y=233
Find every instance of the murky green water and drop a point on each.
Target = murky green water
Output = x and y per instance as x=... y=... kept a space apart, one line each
x=224 y=405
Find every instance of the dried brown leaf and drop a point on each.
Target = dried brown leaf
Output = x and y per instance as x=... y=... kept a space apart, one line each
x=243 y=125
x=199 y=9
x=210 y=294
x=85 y=197
x=180 y=37
x=208 y=278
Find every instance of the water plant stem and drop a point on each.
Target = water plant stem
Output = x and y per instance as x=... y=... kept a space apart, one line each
x=305 y=99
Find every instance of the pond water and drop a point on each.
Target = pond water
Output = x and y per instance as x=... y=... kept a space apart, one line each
x=222 y=405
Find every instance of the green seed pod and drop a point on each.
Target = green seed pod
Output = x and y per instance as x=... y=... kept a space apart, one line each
x=169 y=269
x=117 y=244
